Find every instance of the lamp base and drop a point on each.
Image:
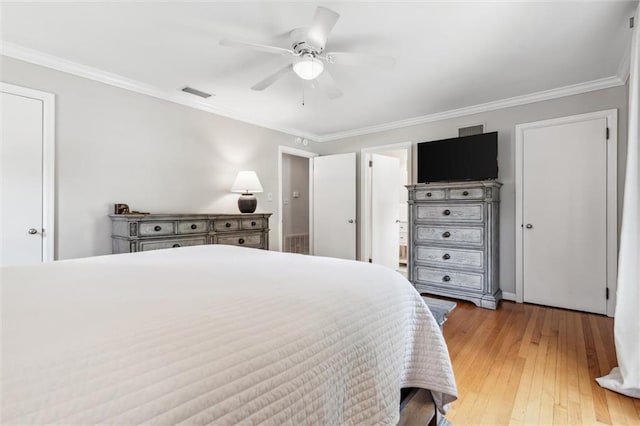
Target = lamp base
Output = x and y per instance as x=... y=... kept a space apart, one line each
x=247 y=203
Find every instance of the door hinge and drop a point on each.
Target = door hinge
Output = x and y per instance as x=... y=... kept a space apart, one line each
x=607 y=293
x=370 y=163
x=607 y=133
x=631 y=22
x=370 y=260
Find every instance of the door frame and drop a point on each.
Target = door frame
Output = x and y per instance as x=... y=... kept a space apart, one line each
x=365 y=187
x=48 y=163
x=611 y=116
x=298 y=153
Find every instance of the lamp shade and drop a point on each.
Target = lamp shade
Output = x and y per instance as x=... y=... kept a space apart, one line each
x=246 y=182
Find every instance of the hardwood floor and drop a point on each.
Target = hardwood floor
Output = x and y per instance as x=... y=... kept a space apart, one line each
x=534 y=365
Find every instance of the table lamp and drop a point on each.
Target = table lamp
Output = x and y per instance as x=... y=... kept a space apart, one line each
x=247 y=184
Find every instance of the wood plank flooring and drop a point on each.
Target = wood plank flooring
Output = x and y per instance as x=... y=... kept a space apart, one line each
x=533 y=365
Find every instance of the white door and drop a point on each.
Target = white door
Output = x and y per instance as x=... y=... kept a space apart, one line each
x=334 y=206
x=385 y=219
x=564 y=205
x=22 y=169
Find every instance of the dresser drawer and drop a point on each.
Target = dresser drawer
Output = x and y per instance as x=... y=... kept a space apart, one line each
x=450 y=212
x=450 y=257
x=193 y=226
x=466 y=194
x=255 y=223
x=245 y=240
x=226 y=225
x=172 y=243
x=450 y=234
x=444 y=278
x=430 y=194
x=156 y=228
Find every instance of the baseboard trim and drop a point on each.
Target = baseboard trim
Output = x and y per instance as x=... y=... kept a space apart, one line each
x=508 y=296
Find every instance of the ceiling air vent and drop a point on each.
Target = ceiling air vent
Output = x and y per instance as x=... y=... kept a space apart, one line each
x=196 y=92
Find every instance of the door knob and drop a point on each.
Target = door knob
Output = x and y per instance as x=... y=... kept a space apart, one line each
x=529 y=226
x=32 y=231
x=350 y=220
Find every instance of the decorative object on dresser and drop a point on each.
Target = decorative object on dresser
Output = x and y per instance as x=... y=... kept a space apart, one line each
x=247 y=184
x=143 y=232
x=121 y=208
x=454 y=240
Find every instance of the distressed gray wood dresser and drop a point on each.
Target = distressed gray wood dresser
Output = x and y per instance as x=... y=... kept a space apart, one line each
x=143 y=232
x=454 y=240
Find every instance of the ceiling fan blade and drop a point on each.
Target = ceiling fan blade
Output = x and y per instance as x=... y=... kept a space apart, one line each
x=255 y=46
x=323 y=22
x=261 y=85
x=329 y=85
x=360 y=59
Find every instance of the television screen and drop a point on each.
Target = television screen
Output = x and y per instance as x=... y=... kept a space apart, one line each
x=472 y=157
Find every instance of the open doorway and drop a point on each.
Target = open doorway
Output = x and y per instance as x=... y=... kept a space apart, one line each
x=385 y=172
x=296 y=200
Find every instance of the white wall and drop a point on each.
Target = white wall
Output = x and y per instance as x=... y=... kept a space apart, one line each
x=114 y=145
x=503 y=121
x=295 y=178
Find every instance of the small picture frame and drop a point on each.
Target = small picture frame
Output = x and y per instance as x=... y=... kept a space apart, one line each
x=121 y=208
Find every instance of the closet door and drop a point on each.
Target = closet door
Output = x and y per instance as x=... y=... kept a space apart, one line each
x=27 y=152
x=334 y=206
x=564 y=215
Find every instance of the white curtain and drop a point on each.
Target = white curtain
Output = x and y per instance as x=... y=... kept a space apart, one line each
x=625 y=378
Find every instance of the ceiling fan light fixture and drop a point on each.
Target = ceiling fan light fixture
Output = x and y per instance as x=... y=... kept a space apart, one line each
x=308 y=67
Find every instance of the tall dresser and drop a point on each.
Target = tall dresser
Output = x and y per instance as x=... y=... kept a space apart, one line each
x=143 y=232
x=454 y=240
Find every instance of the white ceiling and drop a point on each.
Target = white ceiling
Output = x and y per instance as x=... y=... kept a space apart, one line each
x=449 y=55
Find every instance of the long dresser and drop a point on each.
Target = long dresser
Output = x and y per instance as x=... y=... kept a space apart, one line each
x=143 y=232
x=454 y=240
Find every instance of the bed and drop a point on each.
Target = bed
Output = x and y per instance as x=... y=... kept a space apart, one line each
x=215 y=334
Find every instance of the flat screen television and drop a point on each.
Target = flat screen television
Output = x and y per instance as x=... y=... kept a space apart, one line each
x=472 y=157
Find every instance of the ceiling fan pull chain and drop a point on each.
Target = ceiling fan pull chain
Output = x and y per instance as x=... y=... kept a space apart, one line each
x=303 y=96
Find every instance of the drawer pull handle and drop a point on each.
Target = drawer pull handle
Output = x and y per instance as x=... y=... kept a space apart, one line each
x=446 y=256
x=465 y=193
x=194 y=226
x=446 y=234
x=228 y=225
x=241 y=241
x=429 y=194
x=175 y=245
x=446 y=212
x=446 y=278
x=253 y=223
x=157 y=228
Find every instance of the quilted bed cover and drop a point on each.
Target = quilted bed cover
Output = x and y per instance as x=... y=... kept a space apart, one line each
x=215 y=335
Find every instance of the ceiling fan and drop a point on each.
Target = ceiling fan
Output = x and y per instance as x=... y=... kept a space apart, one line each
x=308 y=54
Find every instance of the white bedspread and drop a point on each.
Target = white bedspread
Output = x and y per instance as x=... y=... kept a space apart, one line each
x=214 y=334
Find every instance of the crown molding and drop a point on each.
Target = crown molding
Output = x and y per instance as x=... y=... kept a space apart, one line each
x=574 y=89
x=57 y=63
x=50 y=61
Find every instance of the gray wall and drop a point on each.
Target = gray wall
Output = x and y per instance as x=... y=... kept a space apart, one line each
x=295 y=211
x=503 y=121
x=113 y=145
